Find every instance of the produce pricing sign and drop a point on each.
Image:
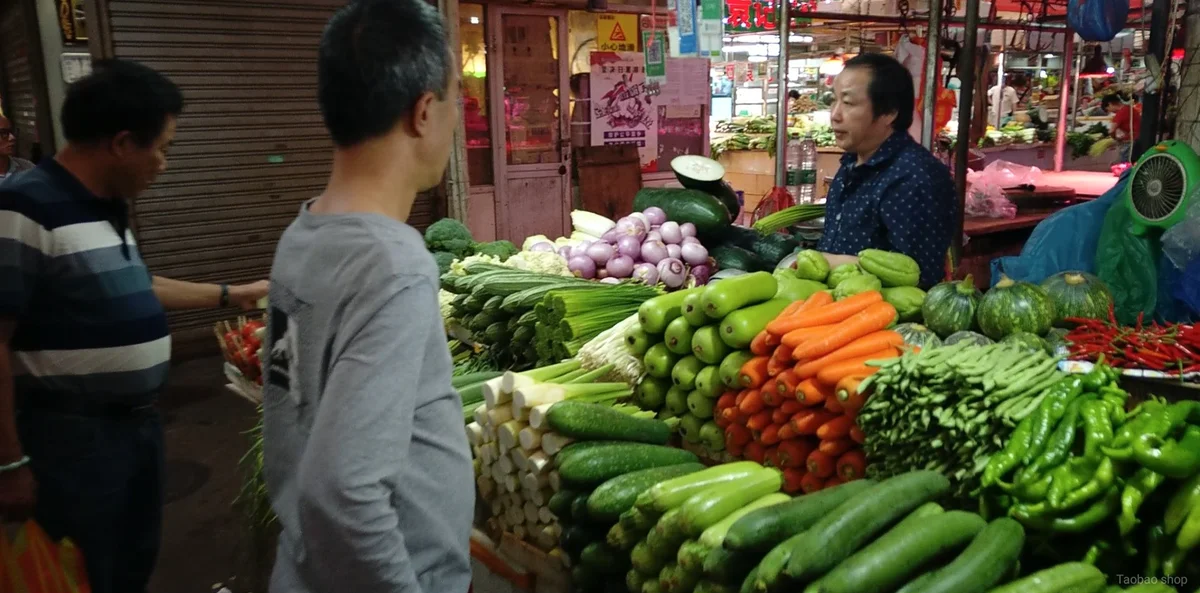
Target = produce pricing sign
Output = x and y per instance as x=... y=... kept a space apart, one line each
x=623 y=112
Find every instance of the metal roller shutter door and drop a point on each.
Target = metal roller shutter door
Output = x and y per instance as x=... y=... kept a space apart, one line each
x=250 y=147
x=20 y=99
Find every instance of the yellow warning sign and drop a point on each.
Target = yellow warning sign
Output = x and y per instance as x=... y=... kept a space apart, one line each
x=616 y=32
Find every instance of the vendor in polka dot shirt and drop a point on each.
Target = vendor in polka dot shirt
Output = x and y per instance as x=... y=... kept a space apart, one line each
x=890 y=192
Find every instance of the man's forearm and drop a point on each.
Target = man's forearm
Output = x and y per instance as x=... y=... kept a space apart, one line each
x=178 y=295
x=836 y=260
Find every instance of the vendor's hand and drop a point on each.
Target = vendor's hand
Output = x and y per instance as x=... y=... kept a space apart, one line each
x=246 y=296
x=836 y=260
x=18 y=494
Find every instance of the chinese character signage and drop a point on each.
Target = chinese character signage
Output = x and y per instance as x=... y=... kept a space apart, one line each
x=622 y=111
x=747 y=16
x=617 y=32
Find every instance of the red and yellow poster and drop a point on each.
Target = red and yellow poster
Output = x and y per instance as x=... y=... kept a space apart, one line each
x=617 y=32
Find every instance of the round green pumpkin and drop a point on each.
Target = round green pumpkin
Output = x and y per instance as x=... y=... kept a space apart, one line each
x=969 y=337
x=915 y=334
x=1011 y=306
x=1025 y=341
x=950 y=307
x=1077 y=294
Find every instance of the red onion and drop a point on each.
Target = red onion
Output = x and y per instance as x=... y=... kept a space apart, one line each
x=629 y=246
x=654 y=235
x=610 y=236
x=687 y=240
x=688 y=229
x=601 y=273
x=610 y=280
x=701 y=273
x=620 y=266
x=542 y=246
x=646 y=273
x=694 y=254
x=564 y=252
x=672 y=273
x=631 y=227
x=653 y=252
x=674 y=251
x=655 y=215
x=672 y=234
x=638 y=216
x=600 y=252
x=582 y=266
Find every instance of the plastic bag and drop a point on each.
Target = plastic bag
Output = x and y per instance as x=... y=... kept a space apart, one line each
x=32 y=563
x=1128 y=264
x=1097 y=20
x=1066 y=240
x=1181 y=243
x=1186 y=288
x=986 y=194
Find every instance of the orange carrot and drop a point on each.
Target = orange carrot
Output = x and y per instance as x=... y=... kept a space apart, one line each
x=737 y=401
x=835 y=447
x=754 y=372
x=770 y=435
x=799 y=336
x=773 y=341
x=833 y=406
x=857 y=435
x=836 y=428
x=833 y=373
x=794 y=453
x=811 y=483
x=733 y=415
x=772 y=457
x=780 y=416
x=770 y=395
x=755 y=452
x=812 y=394
x=852 y=465
x=834 y=481
x=848 y=394
x=736 y=433
x=728 y=399
x=787 y=432
x=759 y=346
x=791 y=406
x=868 y=344
x=786 y=384
x=734 y=449
x=759 y=421
x=870 y=320
x=808 y=421
x=752 y=404
x=826 y=314
x=781 y=360
x=793 y=479
x=822 y=464
x=792 y=319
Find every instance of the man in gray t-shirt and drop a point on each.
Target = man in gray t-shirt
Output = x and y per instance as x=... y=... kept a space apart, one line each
x=366 y=459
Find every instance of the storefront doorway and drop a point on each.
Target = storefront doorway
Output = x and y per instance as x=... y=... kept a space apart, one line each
x=531 y=148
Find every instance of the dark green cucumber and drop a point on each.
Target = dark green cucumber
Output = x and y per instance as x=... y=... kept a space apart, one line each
x=575 y=448
x=1071 y=577
x=862 y=518
x=600 y=464
x=603 y=559
x=575 y=538
x=983 y=565
x=586 y=421
x=903 y=552
x=586 y=580
x=726 y=566
x=612 y=498
x=706 y=212
x=579 y=512
x=560 y=503
x=763 y=529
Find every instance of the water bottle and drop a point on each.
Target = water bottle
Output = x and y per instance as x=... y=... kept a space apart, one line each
x=806 y=186
x=792 y=154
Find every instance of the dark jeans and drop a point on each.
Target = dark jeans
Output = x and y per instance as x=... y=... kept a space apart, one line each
x=100 y=483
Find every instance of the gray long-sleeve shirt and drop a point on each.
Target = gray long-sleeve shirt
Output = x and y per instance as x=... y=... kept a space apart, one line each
x=366 y=459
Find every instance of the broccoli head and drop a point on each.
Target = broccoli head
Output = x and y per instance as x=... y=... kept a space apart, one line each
x=444 y=259
x=451 y=236
x=501 y=249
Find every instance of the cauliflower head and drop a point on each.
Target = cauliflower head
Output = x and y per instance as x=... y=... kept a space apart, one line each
x=545 y=262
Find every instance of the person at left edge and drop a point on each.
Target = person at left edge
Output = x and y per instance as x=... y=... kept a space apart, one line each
x=890 y=193
x=84 y=343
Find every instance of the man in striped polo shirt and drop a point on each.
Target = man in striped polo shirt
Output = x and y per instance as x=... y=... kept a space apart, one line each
x=84 y=343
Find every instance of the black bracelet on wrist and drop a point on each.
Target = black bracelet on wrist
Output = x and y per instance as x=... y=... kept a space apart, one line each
x=224 y=295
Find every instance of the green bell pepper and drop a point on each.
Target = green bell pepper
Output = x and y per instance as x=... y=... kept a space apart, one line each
x=1185 y=498
x=1001 y=463
x=1101 y=481
x=1175 y=459
x=1137 y=488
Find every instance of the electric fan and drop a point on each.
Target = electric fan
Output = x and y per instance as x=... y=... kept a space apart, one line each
x=1161 y=185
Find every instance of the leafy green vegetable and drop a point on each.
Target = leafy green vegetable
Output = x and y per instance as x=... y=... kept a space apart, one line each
x=451 y=236
x=501 y=249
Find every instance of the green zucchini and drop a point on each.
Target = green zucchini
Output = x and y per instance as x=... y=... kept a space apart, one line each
x=575 y=538
x=706 y=212
x=693 y=310
x=651 y=585
x=732 y=257
x=708 y=382
x=707 y=344
x=659 y=361
x=492 y=305
x=623 y=539
x=496 y=333
x=656 y=313
x=678 y=336
x=586 y=580
x=636 y=519
x=587 y=421
x=714 y=536
x=711 y=587
x=474 y=378
x=603 y=559
x=749 y=583
x=645 y=560
x=1071 y=577
x=683 y=375
x=634 y=581
x=861 y=519
x=637 y=340
x=651 y=393
x=560 y=503
x=707 y=508
x=731 y=368
x=903 y=552
x=740 y=327
x=726 y=566
x=600 y=464
x=732 y=294
x=616 y=496
x=763 y=529
x=675 y=579
x=691 y=555
x=983 y=565
x=672 y=493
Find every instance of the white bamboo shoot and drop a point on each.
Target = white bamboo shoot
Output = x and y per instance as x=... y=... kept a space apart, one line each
x=553 y=442
x=500 y=415
x=507 y=433
x=512 y=483
x=537 y=415
x=537 y=394
x=534 y=482
x=531 y=513
x=539 y=463
x=498 y=473
x=486 y=487
x=493 y=393
x=474 y=434
x=530 y=438
x=506 y=465
x=555 y=481
x=520 y=531
x=481 y=416
x=545 y=516
x=519 y=458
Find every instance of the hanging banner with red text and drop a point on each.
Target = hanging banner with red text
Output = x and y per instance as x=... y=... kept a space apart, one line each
x=622 y=111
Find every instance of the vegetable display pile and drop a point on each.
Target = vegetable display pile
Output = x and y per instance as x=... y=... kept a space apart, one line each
x=1171 y=348
x=526 y=318
x=950 y=408
x=448 y=239
x=1082 y=469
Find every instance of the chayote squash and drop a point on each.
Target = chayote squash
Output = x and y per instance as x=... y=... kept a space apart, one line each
x=907 y=300
x=893 y=269
x=843 y=272
x=811 y=265
x=854 y=285
x=794 y=288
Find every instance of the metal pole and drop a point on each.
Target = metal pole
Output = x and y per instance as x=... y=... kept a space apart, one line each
x=1064 y=101
x=781 y=104
x=966 y=101
x=1075 y=92
x=1000 y=80
x=933 y=47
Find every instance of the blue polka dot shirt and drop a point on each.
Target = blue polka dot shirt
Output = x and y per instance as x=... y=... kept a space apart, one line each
x=902 y=199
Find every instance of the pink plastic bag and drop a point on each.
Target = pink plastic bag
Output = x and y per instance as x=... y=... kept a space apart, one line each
x=985 y=194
